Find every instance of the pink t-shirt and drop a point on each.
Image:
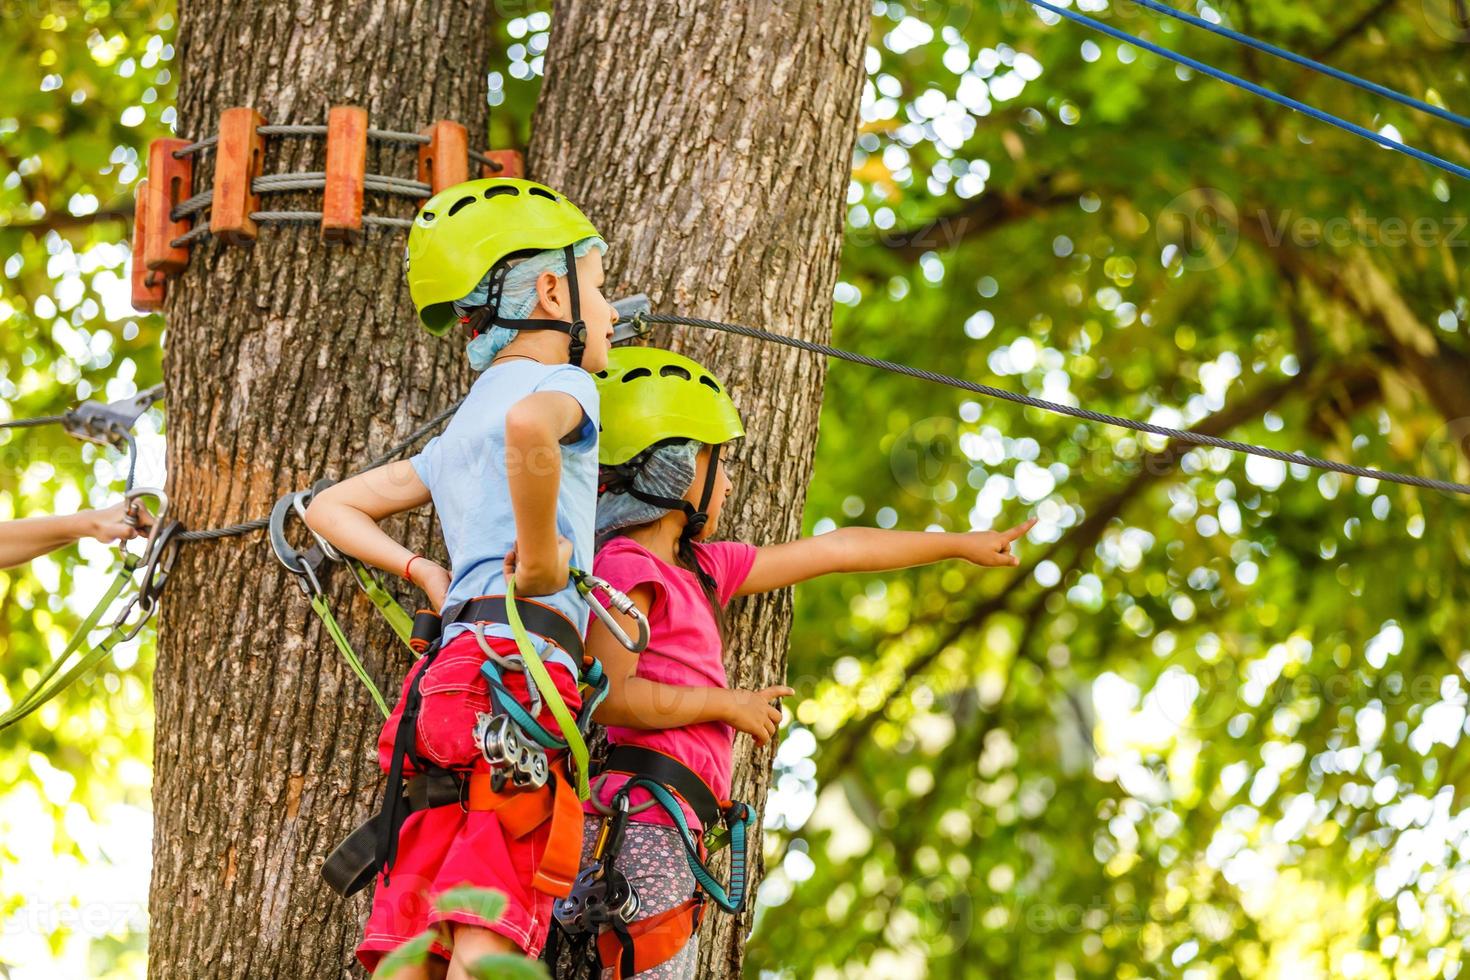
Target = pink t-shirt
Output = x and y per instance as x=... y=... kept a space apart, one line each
x=683 y=649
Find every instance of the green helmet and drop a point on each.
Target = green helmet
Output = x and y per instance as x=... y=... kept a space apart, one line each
x=465 y=230
x=649 y=395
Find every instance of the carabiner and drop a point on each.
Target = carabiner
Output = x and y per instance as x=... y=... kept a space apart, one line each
x=303 y=565
x=131 y=517
x=160 y=563
x=299 y=503
x=138 y=601
x=589 y=584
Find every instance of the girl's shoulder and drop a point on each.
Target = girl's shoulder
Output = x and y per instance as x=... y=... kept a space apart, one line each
x=626 y=559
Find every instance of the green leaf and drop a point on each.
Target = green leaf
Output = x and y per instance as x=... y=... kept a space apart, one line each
x=486 y=903
x=412 y=953
x=507 y=966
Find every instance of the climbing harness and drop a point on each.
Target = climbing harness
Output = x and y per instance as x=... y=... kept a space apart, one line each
x=156 y=561
x=1270 y=95
x=603 y=903
x=515 y=747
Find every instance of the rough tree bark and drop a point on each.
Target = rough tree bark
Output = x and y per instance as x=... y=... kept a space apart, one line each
x=711 y=142
x=286 y=362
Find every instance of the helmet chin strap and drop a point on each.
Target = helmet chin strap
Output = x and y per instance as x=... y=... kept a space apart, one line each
x=695 y=518
x=576 y=329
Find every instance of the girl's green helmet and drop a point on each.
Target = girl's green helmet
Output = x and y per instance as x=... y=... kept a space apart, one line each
x=465 y=230
x=649 y=395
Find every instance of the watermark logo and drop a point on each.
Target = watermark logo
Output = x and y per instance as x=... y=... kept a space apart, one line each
x=1446 y=453
x=1200 y=229
x=926 y=459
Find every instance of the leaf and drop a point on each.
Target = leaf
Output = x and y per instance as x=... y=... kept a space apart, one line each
x=415 y=952
x=485 y=903
x=506 y=966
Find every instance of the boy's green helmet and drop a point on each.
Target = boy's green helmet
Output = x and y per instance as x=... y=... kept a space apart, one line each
x=465 y=230
x=649 y=395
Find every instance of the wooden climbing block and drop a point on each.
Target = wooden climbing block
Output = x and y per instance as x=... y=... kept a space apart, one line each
x=347 y=128
x=148 y=287
x=170 y=182
x=445 y=160
x=511 y=164
x=237 y=160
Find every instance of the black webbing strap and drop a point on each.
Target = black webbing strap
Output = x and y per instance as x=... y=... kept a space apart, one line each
x=537 y=618
x=635 y=760
x=394 y=811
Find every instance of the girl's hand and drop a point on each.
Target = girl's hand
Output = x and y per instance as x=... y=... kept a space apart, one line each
x=751 y=712
x=993 y=548
x=433 y=578
x=107 y=524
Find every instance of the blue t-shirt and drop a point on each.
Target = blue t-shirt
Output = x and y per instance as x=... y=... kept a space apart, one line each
x=465 y=471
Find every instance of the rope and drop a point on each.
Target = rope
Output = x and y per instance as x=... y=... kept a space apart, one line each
x=1306 y=62
x=1181 y=435
x=203 y=144
x=32 y=423
x=1265 y=93
x=290 y=129
x=481 y=158
x=397 y=136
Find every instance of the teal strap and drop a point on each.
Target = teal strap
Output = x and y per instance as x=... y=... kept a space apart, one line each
x=50 y=684
x=319 y=603
x=397 y=617
x=731 y=898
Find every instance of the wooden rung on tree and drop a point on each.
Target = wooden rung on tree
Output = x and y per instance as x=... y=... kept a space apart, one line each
x=445 y=160
x=346 y=170
x=511 y=164
x=238 y=158
x=148 y=287
x=170 y=182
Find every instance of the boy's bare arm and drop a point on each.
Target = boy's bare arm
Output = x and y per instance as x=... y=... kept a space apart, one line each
x=347 y=513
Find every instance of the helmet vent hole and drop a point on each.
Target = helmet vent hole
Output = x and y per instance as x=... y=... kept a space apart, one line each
x=601 y=374
x=460 y=205
x=429 y=216
x=674 y=371
x=709 y=382
x=637 y=373
x=541 y=192
x=497 y=191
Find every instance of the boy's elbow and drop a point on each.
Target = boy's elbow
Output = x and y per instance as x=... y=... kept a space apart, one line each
x=524 y=426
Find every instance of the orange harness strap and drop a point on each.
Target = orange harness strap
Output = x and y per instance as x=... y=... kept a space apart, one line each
x=655 y=939
x=522 y=811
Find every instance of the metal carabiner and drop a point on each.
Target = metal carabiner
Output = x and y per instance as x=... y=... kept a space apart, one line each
x=138 y=601
x=299 y=504
x=588 y=585
x=160 y=563
x=130 y=518
x=303 y=565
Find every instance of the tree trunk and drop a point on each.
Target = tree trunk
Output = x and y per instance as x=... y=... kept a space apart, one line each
x=285 y=362
x=711 y=143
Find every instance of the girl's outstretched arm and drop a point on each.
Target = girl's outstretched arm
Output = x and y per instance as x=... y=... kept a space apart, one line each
x=636 y=702
x=870 y=549
x=347 y=515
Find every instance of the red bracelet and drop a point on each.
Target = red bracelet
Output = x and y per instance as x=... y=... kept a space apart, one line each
x=410 y=565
